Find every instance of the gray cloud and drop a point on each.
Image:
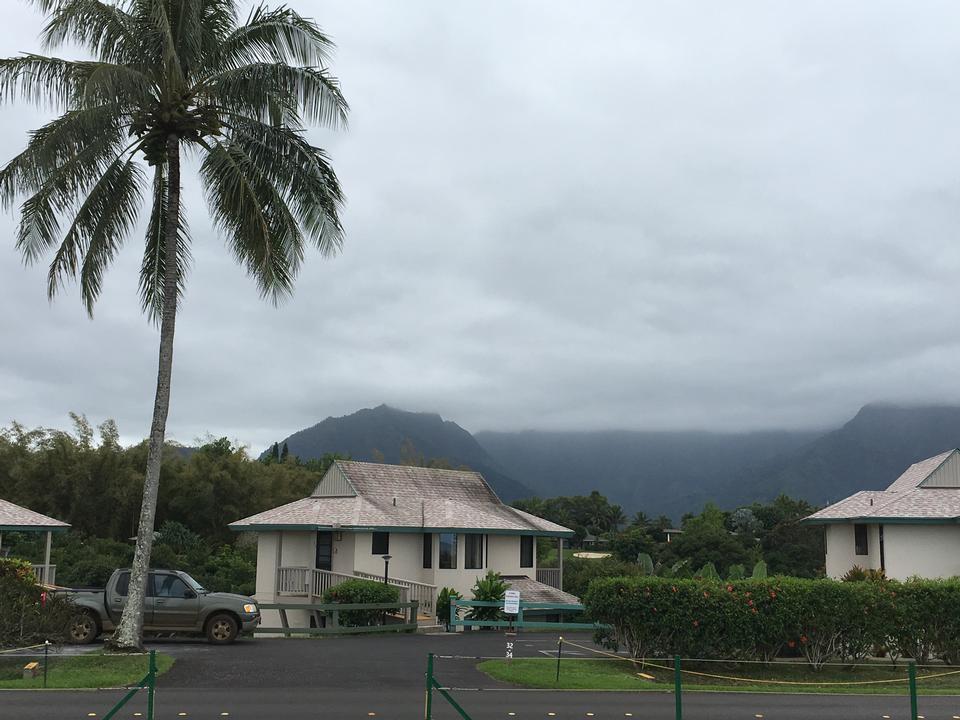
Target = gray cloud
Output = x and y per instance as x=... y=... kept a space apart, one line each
x=567 y=215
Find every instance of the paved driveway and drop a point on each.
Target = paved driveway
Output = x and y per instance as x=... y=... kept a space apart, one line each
x=395 y=661
x=381 y=678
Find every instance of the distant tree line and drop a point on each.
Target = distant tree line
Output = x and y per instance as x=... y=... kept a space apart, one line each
x=86 y=478
x=715 y=543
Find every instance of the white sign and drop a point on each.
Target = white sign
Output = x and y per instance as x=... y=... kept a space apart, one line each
x=511 y=602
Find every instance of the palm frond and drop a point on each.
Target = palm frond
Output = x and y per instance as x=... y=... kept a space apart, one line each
x=275 y=35
x=99 y=227
x=252 y=212
x=53 y=145
x=60 y=83
x=153 y=267
x=39 y=216
x=262 y=89
x=301 y=173
x=109 y=31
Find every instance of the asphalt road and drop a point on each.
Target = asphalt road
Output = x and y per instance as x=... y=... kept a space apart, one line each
x=382 y=678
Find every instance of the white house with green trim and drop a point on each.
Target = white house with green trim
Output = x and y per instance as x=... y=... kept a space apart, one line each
x=440 y=528
x=910 y=529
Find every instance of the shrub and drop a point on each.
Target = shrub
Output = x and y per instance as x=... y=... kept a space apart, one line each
x=361 y=591
x=29 y=615
x=578 y=573
x=859 y=574
x=444 y=597
x=490 y=588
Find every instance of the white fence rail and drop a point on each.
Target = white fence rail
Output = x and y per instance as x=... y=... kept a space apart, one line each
x=309 y=582
x=46 y=574
x=549 y=576
x=410 y=590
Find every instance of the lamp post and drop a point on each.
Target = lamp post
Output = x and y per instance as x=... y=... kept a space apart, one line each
x=386 y=567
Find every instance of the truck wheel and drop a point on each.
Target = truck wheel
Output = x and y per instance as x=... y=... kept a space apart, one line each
x=83 y=629
x=222 y=629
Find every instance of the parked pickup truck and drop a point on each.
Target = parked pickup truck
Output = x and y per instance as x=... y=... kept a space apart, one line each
x=175 y=603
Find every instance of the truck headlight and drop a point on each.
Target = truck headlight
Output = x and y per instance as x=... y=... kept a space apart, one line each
x=250 y=608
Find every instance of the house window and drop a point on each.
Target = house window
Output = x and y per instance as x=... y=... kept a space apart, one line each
x=860 y=539
x=448 y=551
x=428 y=550
x=381 y=543
x=526 y=551
x=473 y=552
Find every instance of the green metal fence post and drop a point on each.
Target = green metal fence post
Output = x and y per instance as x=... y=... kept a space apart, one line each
x=428 y=702
x=453 y=613
x=151 y=683
x=677 y=687
x=912 y=671
x=46 y=658
x=559 y=652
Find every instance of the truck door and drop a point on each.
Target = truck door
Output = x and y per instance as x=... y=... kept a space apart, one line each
x=116 y=601
x=175 y=606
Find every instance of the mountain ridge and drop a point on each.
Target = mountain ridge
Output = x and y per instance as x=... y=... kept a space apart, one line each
x=669 y=472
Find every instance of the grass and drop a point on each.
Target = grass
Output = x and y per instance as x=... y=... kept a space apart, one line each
x=95 y=670
x=609 y=674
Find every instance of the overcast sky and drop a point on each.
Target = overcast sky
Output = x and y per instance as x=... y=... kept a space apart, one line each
x=565 y=215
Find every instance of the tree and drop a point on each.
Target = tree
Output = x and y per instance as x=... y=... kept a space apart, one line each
x=168 y=76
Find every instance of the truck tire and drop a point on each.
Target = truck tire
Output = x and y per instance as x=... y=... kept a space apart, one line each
x=222 y=629
x=84 y=628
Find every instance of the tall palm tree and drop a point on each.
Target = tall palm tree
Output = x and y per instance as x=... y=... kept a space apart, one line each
x=167 y=78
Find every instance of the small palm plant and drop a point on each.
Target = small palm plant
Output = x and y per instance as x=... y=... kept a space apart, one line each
x=166 y=78
x=489 y=588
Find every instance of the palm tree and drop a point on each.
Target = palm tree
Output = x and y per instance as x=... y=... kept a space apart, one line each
x=166 y=78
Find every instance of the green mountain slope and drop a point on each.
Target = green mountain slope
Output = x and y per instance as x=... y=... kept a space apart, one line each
x=386 y=434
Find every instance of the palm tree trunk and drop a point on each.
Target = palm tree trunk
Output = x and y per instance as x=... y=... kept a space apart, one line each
x=129 y=632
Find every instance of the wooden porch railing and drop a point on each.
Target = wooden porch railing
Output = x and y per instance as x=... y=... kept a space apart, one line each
x=46 y=574
x=309 y=582
x=410 y=591
x=549 y=576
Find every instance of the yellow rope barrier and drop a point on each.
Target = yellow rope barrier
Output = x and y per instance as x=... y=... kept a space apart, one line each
x=28 y=647
x=647 y=663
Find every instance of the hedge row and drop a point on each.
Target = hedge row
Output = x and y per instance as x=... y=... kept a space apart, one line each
x=822 y=620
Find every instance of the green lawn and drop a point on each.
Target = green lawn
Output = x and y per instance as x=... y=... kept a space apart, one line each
x=609 y=674
x=95 y=670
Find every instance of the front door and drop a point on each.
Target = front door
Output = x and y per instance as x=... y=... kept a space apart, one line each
x=324 y=550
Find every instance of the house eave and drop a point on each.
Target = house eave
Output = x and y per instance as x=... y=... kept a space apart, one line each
x=397 y=529
x=34 y=528
x=881 y=520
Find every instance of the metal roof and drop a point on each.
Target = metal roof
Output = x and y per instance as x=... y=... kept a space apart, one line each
x=405 y=499
x=15 y=517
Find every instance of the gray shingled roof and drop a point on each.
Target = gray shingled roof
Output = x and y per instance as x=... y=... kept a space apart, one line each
x=902 y=501
x=534 y=591
x=14 y=517
x=379 y=480
x=396 y=497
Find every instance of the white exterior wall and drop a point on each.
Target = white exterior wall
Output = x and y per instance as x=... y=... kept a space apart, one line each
x=267 y=551
x=504 y=556
x=343 y=550
x=299 y=549
x=406 y=561
x=930 y=551
x=841 y=549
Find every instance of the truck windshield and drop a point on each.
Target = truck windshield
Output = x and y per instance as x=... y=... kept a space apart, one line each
x=194 y=585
